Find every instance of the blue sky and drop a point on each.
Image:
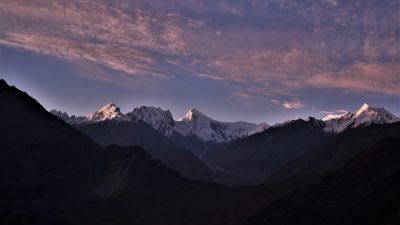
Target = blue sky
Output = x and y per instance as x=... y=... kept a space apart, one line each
x=258 y=61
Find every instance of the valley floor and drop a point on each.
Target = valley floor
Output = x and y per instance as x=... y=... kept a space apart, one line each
x=199 y=203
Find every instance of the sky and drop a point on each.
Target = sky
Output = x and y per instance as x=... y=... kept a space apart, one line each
x=233 y=60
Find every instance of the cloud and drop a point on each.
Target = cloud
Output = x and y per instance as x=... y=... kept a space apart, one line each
x=336 y=112
x=209 y=76
x=325 y=112
x=380 y=78
x=267 y=65
x=274 y=96
x=244 y=95
x=332 y=2
x=108 y=54
x=92 y=31
x=295 y=70
x=295 y=104
x=241 y=43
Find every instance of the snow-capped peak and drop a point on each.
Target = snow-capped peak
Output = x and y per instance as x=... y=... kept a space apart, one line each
x=334 y=116
x=207 y=129
x=364 y=116
x=194 y=123
x=107 y=112
x=363 y=108
x=161 y=120
x=193 y=114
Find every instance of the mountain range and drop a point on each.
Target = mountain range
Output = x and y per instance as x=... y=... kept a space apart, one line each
x=52 y=173
x=262 y=154
x=199 y=133
x=364 y=116
x=194 y=123
x=206 y=129
x=238 y=153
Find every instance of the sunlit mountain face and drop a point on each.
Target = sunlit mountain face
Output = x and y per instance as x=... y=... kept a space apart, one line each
x=258 y=61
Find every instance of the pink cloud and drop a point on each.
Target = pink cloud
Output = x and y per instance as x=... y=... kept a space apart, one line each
x=295 y=104
x=380 y=78
x=274 y=61
x=117 y=38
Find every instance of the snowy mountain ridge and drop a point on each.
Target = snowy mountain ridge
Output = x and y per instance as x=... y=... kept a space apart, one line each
x=364 y=116
x=161 y=120
x=194 y=123
x=207 y=129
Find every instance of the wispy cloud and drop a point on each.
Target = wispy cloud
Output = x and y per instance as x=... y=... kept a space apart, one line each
x=295 y=104
x=119 y=38
x=325 y=112
x=243 y=95
x=342 y=111
x=337 y=112
x=320 y=45
x=209 y=76
x=380 y=78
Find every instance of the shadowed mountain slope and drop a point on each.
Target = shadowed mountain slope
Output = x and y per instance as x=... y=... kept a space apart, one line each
x=264 y=153
x=364 y=191
x=39 y=150
x=132 y=133
x=334 y=153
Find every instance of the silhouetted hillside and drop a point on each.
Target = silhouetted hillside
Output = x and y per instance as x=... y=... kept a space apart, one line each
x=334 y=153
x=264 y=153
x=130 y=133
x=365 y=191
